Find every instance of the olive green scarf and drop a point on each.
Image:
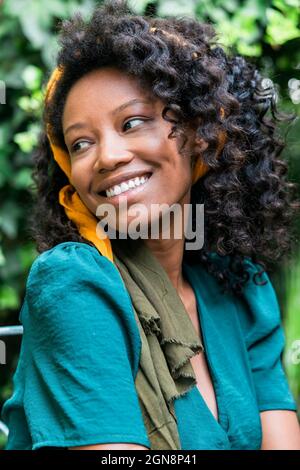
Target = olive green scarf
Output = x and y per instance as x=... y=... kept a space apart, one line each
x=168 y=338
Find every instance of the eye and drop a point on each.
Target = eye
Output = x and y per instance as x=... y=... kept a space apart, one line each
x=135 y=119
x=75 y=147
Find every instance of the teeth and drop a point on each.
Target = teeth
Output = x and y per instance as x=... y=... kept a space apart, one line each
x=125 y=186
x=117 y=190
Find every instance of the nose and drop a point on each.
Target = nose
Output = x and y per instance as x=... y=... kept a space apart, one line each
x=111 y=153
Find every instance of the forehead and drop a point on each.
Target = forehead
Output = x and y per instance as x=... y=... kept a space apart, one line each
x=108 y=87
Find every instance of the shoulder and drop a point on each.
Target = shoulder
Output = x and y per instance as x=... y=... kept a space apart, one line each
x=71 y=262
x=73 y=288
x=69 y=255
x=75 y=265
x=255 y=276
x=256 y=307
x=73 y=276
x=248 y=274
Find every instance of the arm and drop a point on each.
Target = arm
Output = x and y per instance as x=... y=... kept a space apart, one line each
x=83 y=349
x=111 y=447
x=265 y=341
x=281 y=430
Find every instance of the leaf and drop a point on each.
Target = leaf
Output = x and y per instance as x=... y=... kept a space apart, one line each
x=287 y=6
x=3 y=441
x=292 y=324
x=8 y=297
x=138 y=6
x=9 y=215
x=33 y=31
x=29 y=139
x=13 y=75
x=23 y=179
x=27 y=254
x=2 y=258
x=176 y=8
x=35 y=18
x=280 y=28
x=49 y=52
x=6 y=170
x=32 y=77
x=84 y=8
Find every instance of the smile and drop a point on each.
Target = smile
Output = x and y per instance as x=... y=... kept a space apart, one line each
x=126 y=186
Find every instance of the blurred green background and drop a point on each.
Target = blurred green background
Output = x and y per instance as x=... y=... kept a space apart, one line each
x=267 y=32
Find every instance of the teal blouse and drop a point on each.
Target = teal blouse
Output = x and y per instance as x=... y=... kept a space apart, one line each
x=74 y=383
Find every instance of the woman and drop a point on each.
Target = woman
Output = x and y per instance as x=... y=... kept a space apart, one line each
x=141 y=343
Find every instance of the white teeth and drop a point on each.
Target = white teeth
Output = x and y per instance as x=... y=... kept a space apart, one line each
x=117 y=189
x=125 y=186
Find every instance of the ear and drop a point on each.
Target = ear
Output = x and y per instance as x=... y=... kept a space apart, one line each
x=197 y=147
x=200 y=144
x=197 y=144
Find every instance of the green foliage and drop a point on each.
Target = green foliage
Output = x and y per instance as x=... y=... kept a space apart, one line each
x=3 y=441
x=292 y=326
x=267 y=31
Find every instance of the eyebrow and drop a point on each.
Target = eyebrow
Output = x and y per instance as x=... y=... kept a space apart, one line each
x=80 y=125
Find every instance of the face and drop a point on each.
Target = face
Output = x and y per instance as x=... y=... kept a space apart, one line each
x=119 y=149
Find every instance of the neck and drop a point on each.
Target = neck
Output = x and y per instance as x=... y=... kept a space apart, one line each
x=169 y=252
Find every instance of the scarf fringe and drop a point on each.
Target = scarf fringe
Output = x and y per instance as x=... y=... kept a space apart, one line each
x=193 y=346
x=179 y=395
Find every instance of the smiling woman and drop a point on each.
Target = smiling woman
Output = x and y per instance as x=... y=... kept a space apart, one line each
x=123 y=145
x=134 y=343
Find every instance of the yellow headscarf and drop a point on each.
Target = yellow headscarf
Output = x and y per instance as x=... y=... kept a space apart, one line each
x=75 y=209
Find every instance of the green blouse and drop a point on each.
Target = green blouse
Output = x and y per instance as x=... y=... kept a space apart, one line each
x=75 y=380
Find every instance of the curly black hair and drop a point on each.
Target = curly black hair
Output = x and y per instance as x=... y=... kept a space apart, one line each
x=249 y=201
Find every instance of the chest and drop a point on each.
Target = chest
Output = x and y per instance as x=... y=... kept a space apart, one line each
x=199 y=361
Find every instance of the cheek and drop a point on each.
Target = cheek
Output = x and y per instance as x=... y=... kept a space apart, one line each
x=177 y=171
x=79 y=175
x=81 y=182
x=171 y=159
